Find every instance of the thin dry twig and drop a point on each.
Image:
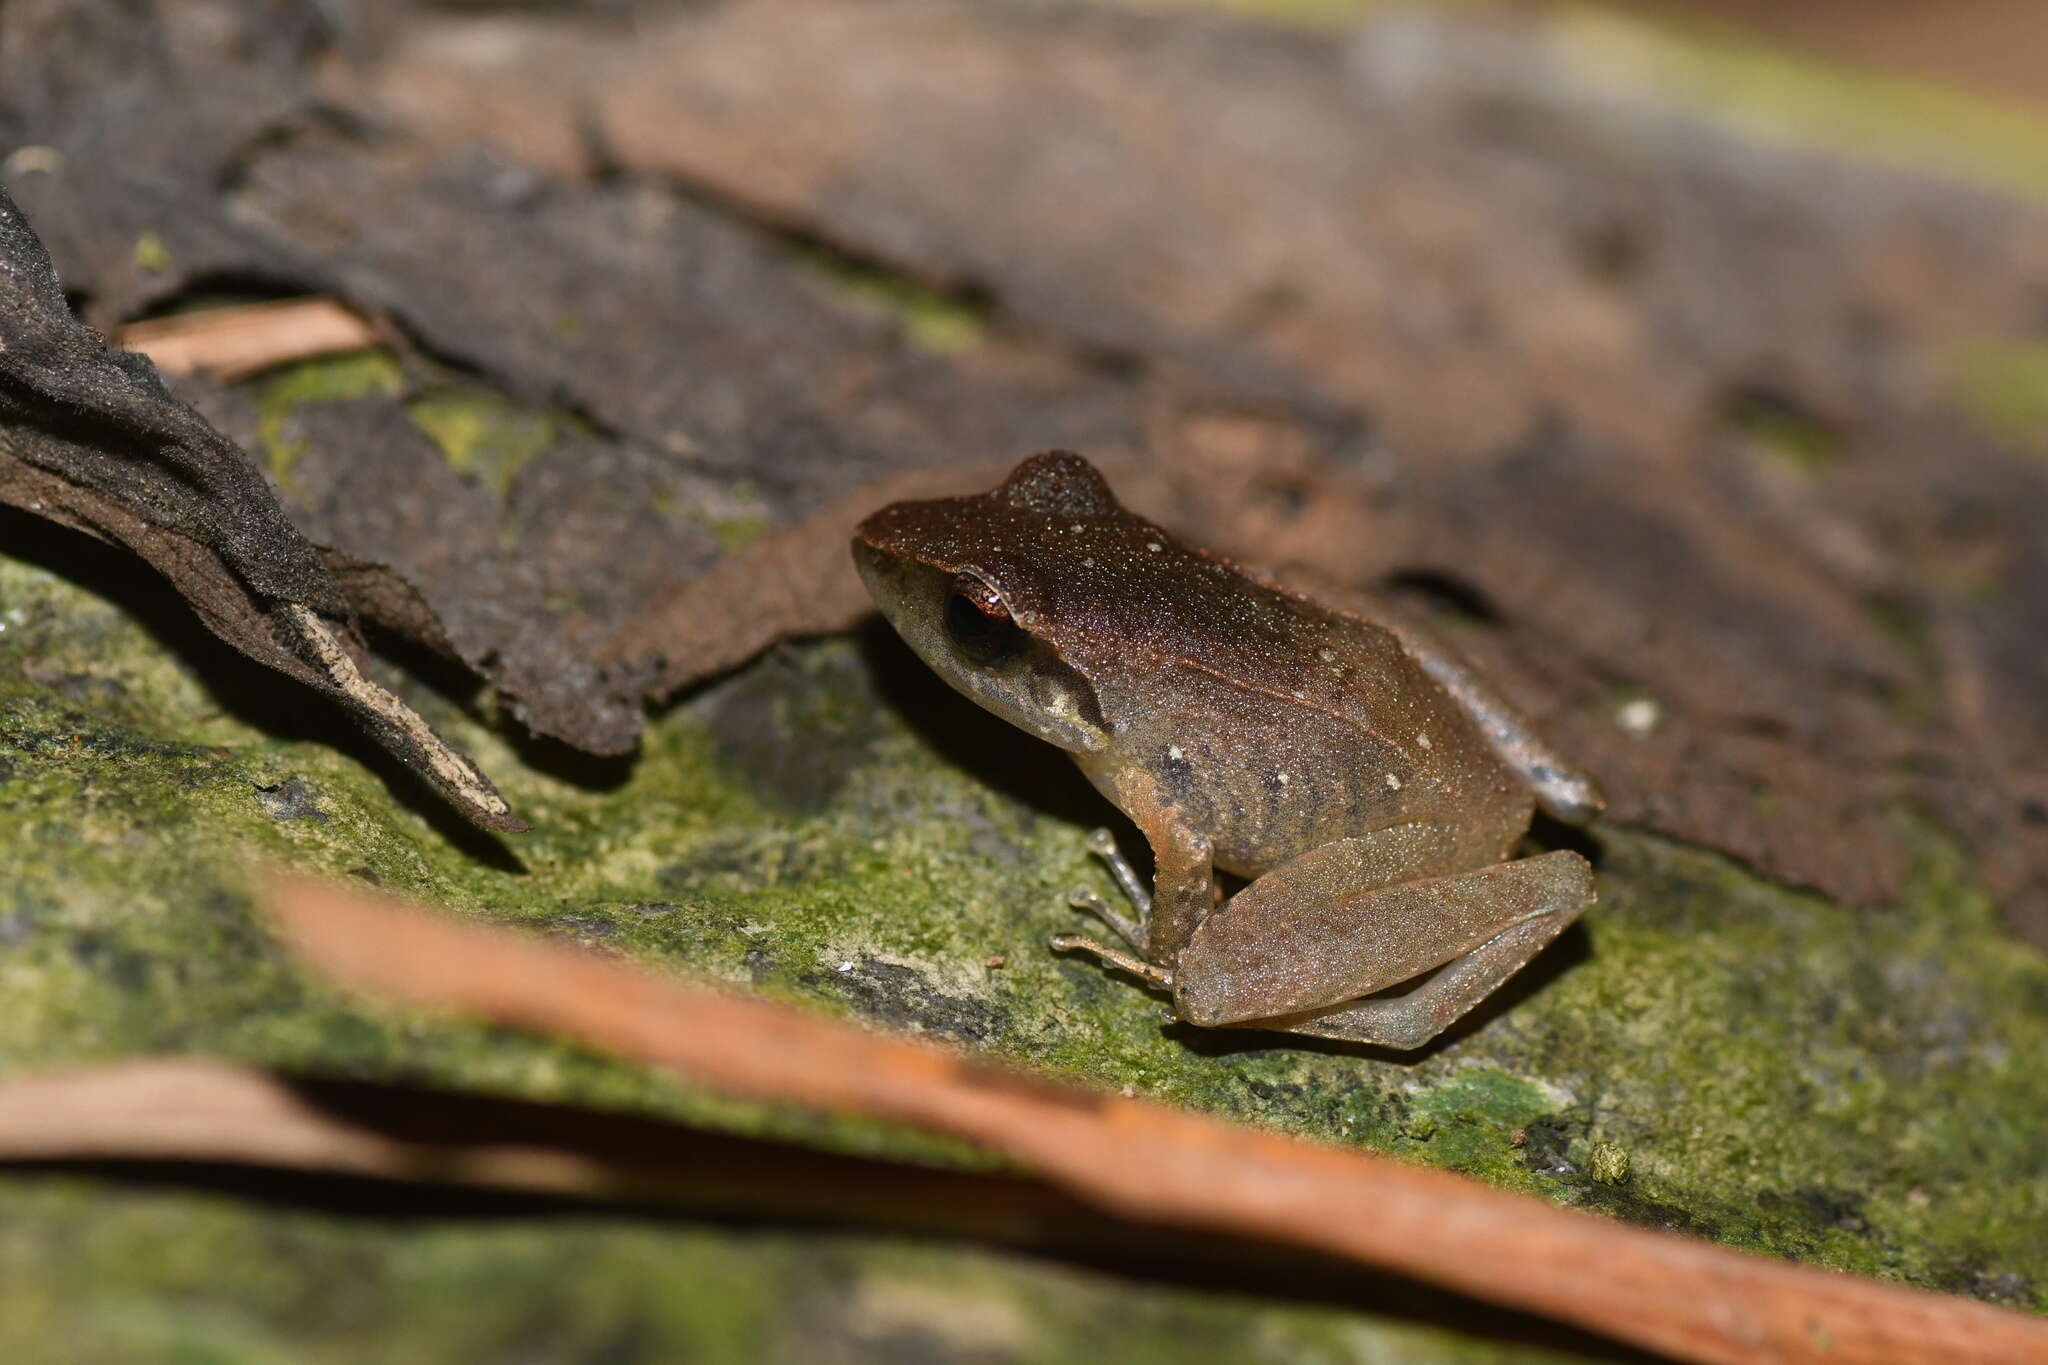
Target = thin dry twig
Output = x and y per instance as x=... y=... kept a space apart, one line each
x=233 y=343
x=1149 y=1163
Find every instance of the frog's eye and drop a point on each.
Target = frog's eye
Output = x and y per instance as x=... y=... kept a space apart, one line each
x=979 y=622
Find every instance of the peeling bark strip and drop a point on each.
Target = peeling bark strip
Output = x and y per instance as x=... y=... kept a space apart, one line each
x=91 y=439
x=1156 y=1165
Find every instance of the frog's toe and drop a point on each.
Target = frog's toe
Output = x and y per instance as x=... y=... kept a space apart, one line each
x=1102 y=844
x=1138 y=967
x=1086 y=901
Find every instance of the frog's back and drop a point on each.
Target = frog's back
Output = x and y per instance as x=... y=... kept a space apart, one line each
x=1279 y=724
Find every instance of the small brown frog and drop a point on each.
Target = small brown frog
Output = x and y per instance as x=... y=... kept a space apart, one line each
x=1365 y=781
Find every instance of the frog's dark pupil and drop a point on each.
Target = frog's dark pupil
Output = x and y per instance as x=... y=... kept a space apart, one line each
x=979 y=623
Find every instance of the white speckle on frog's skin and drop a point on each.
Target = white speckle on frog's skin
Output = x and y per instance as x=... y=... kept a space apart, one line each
x=1077 y=528
x=1422 y=739
x=1154 y=545
x=1088 y=563
x=1282 y=777
x=1394 y=782
x=1328 y=656
x=1173 y=752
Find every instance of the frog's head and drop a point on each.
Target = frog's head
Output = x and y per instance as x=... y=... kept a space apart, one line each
x=975 y=585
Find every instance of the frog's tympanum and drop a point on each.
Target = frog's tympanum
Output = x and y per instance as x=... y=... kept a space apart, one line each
x=1367 y=784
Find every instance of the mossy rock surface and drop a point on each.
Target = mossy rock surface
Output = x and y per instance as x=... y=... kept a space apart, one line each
x=125 y=1275
x=1708 y=1052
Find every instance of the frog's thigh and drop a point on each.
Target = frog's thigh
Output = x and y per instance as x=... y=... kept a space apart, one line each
x=1414 y=1017
x=1313 y=940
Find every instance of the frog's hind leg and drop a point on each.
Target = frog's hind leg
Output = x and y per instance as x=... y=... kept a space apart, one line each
x=1413 y=1018
x=1280 y=957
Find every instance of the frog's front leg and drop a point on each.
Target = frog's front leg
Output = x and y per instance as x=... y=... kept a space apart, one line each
x=1306 y=937
x=1183 y=894
x=1103 y=845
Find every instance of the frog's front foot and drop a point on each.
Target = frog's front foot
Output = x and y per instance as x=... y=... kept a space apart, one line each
x=1132 y=931
x=1103 y=845
x=1125 y=928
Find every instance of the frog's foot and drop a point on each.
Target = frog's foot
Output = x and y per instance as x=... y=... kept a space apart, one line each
x=1086 y=901
x=1103 y=845
x=1138 y=967
x=1132 y=931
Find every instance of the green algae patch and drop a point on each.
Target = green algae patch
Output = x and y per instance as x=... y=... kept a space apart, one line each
x=2003 y=386
x=328 y=379
x=736 y=533
x=1477 y=1118
x=1805 y=1082
x=482 y=435
x=833 y=827
x=1608 y=1163
x=151 y=255
x=941 y=321
x=1782 y=431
